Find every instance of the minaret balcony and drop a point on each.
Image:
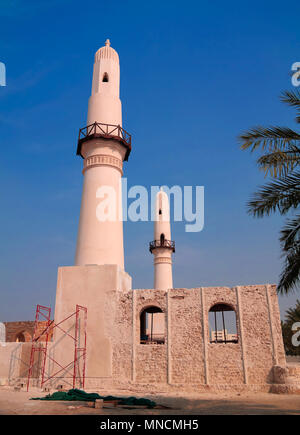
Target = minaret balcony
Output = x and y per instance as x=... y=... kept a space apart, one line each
x=105 y=131
x=166 y=244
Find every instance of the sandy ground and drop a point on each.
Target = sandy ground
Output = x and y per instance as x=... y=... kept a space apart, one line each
x=19 y=403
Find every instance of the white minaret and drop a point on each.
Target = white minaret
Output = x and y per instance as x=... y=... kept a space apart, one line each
x=162 y=246
x=103 y=145
x=99 y=264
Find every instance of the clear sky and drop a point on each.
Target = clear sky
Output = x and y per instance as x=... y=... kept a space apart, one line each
x=194 y=75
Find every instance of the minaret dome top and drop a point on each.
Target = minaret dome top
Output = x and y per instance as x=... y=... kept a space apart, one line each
x=106 y=52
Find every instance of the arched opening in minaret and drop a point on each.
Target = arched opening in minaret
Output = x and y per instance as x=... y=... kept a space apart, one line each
x=152 y=326
x=162 y=240
x=222 y=324
x=105 y=77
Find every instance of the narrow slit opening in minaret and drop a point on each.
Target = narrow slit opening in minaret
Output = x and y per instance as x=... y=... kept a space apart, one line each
x=105 y=78
x=162 y=239
x=160 y=212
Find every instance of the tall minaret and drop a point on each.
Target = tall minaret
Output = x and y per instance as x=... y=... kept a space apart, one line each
x=103 y=145
x=162 y=246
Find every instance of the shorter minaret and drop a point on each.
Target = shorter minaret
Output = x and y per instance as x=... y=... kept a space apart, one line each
x=162 y=246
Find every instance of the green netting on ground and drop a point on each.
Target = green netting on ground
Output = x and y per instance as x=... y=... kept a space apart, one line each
x=80 y=395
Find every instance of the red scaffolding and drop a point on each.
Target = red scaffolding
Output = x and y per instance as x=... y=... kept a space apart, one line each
x=40 y=344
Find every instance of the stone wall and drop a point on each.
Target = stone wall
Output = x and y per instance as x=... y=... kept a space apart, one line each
x=187 y=357
x=187 y=360
x=26 y=328
x=150 y=361
x=185 y=325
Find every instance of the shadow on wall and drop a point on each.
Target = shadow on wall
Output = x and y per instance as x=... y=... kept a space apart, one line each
x=54 y=369
x=14 y=363
x=20 y=362
x=54 y=373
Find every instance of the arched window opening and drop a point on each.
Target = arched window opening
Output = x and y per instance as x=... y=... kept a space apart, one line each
x=105 y=78
x=162 y=239
x=160 y=212
x=20 y=338
x=152 y=326
x=222 y=324
x=23 y=336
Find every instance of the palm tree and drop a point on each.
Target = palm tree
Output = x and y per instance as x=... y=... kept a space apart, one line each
x=280 y=158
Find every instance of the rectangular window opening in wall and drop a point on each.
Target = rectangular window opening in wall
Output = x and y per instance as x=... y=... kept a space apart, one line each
x=222 y=324
x=152 y=326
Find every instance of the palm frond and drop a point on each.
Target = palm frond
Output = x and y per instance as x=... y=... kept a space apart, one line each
x=281 y=195
x=267 y=137
x=292 y=98
x=279 y=163
x=280 y=148
x=279 y=157
x=290 y=234
x=290 y=275
x=292 y=315
x=290 y=240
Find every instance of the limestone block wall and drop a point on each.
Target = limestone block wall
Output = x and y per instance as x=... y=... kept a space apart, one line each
x=150 y=361
x=280 y=357
x=186 y=348
x=26 y=328
x=258 y=323
x=224 y=362
x=15 y=328
x=119 y=320
x=187 y=357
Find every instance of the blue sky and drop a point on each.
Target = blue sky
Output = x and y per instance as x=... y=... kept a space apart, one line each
x=194 y=75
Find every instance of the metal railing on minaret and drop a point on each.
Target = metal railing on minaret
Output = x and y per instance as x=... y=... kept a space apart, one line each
x=106 y=131
x=167 y=244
